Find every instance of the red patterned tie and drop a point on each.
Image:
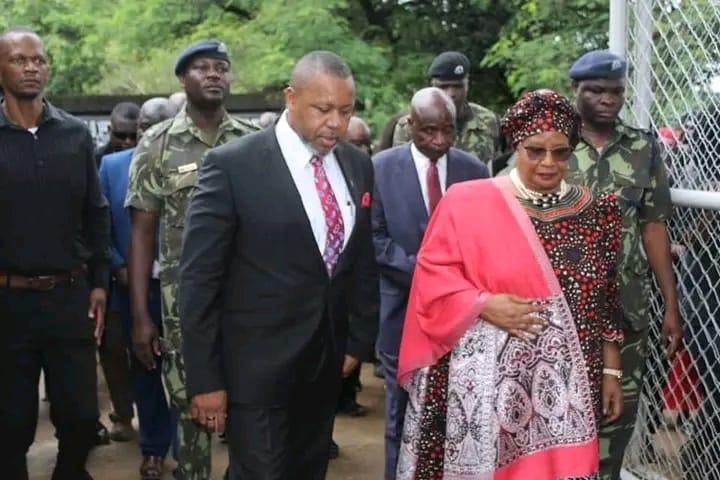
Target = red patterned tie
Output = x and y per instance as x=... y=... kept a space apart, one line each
x=433 y=186
x=333 y=215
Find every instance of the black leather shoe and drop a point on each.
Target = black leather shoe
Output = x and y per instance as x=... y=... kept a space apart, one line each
x=102 y=436
x=352 y=409
x=334 y=450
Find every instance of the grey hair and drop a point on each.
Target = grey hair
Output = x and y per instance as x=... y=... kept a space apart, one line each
x=426 y=97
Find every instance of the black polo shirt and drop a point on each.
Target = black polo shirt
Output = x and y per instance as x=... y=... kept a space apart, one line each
x=53 y=216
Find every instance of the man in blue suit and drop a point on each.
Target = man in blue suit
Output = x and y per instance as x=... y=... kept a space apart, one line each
x=409 y=181
x=154 y=415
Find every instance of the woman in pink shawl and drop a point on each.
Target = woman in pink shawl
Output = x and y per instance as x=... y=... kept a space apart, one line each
x=510 y=349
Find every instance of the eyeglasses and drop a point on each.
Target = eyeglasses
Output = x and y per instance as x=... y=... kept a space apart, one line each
x=537 y=154
x=125 y=135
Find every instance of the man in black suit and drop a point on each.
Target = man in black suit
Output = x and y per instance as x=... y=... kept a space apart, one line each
x=277 y=256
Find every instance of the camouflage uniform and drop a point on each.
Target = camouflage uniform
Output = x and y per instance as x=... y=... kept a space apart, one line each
x=629 y=165
x=162 y=175
x=480 y=135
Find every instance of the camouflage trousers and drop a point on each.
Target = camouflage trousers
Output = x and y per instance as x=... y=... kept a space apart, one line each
x=614 y=438
x=193 y=442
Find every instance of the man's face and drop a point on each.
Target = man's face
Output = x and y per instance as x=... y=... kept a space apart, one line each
x=599 y=100
x=320 y=109
x=24 y=69
x=206 y=82
x=123 y=133
x=456 y=89
x=359 y=135
x=432 y=130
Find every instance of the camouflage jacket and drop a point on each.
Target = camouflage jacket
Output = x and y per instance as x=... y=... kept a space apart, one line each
x=479 y=136
x=629 y=165
x=163 y=173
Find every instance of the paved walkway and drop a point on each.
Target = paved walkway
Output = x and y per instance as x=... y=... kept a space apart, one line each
x=360 y=440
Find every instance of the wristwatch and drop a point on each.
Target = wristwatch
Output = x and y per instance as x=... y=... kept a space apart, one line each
x=614 y=372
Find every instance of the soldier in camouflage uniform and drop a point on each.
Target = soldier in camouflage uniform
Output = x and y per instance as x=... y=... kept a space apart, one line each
x=615 y=157
x=162 y=176
x=478 y=129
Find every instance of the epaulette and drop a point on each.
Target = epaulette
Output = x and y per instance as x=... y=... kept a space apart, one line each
x=157 y=130
x=245 y=124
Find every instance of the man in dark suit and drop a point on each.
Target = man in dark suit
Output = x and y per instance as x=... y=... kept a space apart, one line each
x=410 y=179
x=277 y=256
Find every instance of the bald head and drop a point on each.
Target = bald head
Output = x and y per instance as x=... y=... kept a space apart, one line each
x=432 y=122
x=432 y=100
x=358 y=133
x=14 y=34
x=267 y=119
x=178 y=99
x=318 y=62
x=153 y=111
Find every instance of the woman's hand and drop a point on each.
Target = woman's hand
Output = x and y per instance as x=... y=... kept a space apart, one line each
x=612 y=398
x=516 y=315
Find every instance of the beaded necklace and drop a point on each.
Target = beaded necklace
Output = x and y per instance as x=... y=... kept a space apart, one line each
x=544 y=200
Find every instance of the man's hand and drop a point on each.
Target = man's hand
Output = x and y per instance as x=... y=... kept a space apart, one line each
x=612 y=398
x=96 y=311
x=146 y=344
x=671 y=332
x=349 y=365
x=209 y=410
x=122 y=276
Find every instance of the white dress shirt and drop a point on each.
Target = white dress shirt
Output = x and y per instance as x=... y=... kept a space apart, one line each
x=422 y=163
x=298 y=155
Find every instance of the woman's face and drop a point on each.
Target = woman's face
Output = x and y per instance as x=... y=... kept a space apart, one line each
x=542 y=160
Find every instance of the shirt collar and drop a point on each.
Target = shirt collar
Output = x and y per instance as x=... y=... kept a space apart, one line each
x=182 y=122
x=421 y=160
x=49 y=112
x=293 y=145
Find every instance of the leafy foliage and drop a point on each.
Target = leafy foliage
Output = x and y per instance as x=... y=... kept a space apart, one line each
x=129 y=46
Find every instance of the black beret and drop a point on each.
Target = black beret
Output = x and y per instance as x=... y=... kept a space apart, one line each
x=202 y=48
x=598 y=64
x=450 y=65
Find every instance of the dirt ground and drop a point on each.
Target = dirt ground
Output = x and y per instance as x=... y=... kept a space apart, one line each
x=360 y=440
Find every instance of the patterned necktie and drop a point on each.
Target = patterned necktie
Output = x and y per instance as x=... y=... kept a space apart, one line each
x=333 y=216
x=433 y=186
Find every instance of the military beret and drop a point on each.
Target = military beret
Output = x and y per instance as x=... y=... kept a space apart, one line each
x=449 y=65
x=598 y=64
x=202 y=48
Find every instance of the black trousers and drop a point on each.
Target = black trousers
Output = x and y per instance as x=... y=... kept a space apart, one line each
x=48 y=331
x=290 y=441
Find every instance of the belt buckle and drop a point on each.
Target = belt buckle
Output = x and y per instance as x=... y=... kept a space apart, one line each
x=50 y=279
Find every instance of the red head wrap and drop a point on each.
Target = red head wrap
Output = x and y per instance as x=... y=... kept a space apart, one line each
x=541 y=111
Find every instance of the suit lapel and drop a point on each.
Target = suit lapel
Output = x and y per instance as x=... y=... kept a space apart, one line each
x=409 y=184
x=296 y=210
x=453 y=173
x=349 y=171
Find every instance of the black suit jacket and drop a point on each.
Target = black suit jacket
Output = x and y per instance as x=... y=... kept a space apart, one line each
x=258 y=310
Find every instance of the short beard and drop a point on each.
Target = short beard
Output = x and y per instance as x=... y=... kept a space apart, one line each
x=23 y=96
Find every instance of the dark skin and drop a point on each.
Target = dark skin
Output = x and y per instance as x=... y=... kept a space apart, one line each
x=24 y=72
x=457 y=90
x=152 y=111
x=358 y=133
x=432 y=127
x=542 y=162
x=599 y=102
x=206 y=83
x=123 y=133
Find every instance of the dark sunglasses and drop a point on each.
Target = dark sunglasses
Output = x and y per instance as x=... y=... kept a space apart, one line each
x=536 y=154
x=125 y=136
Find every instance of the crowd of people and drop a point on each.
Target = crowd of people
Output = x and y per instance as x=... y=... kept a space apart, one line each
x=496 y=269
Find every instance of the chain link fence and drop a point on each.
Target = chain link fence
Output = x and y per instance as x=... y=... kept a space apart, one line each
x=673 y=52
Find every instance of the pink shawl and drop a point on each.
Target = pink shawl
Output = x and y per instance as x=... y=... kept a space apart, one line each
x=479 y=242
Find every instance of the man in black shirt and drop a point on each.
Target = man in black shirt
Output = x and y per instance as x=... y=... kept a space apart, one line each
x=54 y=264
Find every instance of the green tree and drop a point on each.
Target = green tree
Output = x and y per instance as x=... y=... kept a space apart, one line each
x=538 y=45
